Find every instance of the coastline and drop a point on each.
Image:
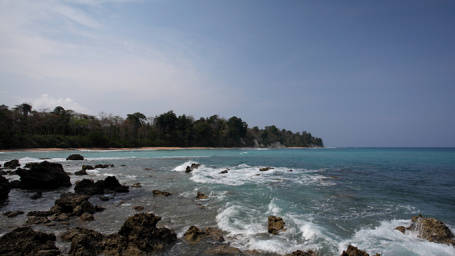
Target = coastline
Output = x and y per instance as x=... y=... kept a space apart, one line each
x=125 y=149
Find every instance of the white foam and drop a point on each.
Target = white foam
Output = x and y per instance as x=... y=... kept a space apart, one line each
x=384 y=239
x=182 y=167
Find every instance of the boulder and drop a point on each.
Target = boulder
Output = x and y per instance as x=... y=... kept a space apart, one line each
x=89 y=187
x=141 y=231
x=201 y=195
x=275 y=224
x=224 y=172
x=302 y=253
x=75 y=157
x=13 y=164
x=84 y=241
x=25 y=241
x=44 y=175
x=72 y=205
x=195 y=234
x=432 y=230
x=354 y=251
x=160 y=193
x=5 y=188
x=81 y=172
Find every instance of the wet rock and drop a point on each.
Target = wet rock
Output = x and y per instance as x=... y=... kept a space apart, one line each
x=75 y=157
x=84 y=241
x=138 y=208
x=25 y=241
x=72 y=205
x=44 y=175
x=275 y=224
x=201 y=195
x=354 y=251
x=87 y=217
x=81 y=172
x=104 y=198
x=12 y=214
x=5 y=188
x=40 y=213
x=116 y=245
x=89 y=187
x=13 y=164
x=195 y=234
x=302 y=253
x=87 y=167
x=141 y=231
x=224 y=172
x=402 y=229
x=265 y=169
x=33 y=220
x=223 y=250
x=103 y=166
x=192 y=167
x=432 y=230
x=37 y=195
x=160 y=193
x=136 y=185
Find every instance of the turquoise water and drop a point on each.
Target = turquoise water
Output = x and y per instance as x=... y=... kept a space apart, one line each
x=328 y=197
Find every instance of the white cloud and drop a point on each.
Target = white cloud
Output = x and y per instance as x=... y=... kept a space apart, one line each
x=46 y=101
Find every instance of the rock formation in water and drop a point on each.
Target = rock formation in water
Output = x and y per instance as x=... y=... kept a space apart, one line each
x=24 y=241
x=430 y=229
x=75 y=157
x=275 y=224
x=43 y=175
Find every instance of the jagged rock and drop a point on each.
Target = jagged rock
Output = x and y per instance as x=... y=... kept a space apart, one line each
x=223 y=250
x=84 y=241
x=141 y=231
x=72 y=205
x=44 y=175
x=275 y=224
x=87 y=217
x=354 y=251
x=402 y=229
x=24 y=241
x=160 y=193
x=195 y=234
x=302 y=253
x=192 y=167
x=75 y=157
x=201 y=195
x=432 y=230
x=13 y=164
x=13 y=214
x=89 y=187
x=37 y=195
x=5 y=188
x=265 y=169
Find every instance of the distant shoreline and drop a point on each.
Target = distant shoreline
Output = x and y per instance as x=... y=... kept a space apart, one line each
x=111 y=149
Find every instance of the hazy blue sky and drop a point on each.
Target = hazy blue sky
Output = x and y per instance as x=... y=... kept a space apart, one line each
x=355 y=73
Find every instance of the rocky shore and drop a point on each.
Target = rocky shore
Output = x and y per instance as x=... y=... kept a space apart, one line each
x=139 y=233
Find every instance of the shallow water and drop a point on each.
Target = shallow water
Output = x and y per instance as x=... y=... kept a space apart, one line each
x=329 y=197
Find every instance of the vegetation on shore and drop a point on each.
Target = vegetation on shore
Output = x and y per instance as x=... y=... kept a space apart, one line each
x=22 y=127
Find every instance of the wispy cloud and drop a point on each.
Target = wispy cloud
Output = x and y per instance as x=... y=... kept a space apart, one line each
x=48 y=102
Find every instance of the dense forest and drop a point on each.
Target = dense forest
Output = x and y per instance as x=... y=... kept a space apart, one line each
x=23 y=127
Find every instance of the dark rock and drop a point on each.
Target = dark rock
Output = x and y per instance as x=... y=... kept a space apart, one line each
x=192 y=167
x=265 y=169
x=275 y=224
x=72 y=205
x=101 y=166
x=223 y=250
x=138 y=208
x=15 y=184
x=401 y=229
x=354 y=251
x=10 y=214
x=5 y=188
x=44 y=175
x=75 y=157
x=37 y=195
x=99 y=208
x=136 y=185
x=104 y=198
x=141 y=231
x=84 y=241
x=80 y=173
x=87 y=217
x=13 y=164
x=87 y=167
x=25 y=241
x=224 y=172
x=201 y=195
x=160 y=193
x=195 y=234
x=89 y=187
x=432 y=230
x=302 y=253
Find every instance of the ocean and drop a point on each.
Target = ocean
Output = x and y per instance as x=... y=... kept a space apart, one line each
x=328 y=197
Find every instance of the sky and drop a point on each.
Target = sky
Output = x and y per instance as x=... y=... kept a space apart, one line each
x=354 y=73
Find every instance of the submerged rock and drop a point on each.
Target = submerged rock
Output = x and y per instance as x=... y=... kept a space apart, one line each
x=275 y=224
x=141 y=231
x=89 y=187
x=37 y=195
x=195 y=234
x=75 y=157
x=201 y=195
x=432 y=230
x=43 y=175
x=160 y=193
x=12 y=214
x=265 y=169
x=24 y=241
x=223 y=250
x=72 y=205
x=5 y=188
x=192 y=167
x=302 y=253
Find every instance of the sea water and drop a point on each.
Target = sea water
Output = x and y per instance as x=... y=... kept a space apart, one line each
x=328 y=197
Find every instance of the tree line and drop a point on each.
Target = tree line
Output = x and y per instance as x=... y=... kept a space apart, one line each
x=23 y=127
